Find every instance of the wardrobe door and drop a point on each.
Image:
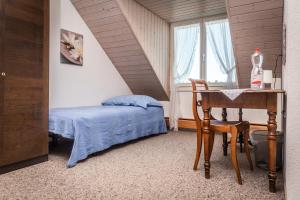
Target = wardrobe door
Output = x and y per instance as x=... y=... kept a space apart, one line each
x=25 y=90
x=1 y=75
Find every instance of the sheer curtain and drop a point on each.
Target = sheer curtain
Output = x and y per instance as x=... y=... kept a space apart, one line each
x=218 y=35
x=186 y=39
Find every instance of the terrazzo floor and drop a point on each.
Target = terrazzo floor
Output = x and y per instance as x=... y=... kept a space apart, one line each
x=158 y=167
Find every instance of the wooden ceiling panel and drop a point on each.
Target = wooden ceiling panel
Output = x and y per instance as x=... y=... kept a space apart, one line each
x=255 y=7
x=180 y=10
x=265 y=14
x=111 y=29
x=255 y=24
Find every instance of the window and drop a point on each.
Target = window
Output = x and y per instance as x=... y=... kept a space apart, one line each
x=213 y=72
x=186 y=52
x=203 y=50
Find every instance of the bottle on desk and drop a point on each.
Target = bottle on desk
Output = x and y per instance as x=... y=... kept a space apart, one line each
x=257 y=70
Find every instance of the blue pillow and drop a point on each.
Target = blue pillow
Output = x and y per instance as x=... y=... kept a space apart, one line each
x=132 y=100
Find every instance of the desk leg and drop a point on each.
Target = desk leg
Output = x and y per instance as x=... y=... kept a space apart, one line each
x=206 y=133
x=241 y=136
x=225 y=143
x=272 y=126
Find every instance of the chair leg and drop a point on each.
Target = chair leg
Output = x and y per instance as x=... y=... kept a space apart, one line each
x=211 y=143
x=225 y=144
x=247 y=150
x=241 y=141
x=199 y=145
x=234 y=156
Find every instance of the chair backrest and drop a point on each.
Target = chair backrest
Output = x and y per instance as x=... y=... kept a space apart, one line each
x=197 y=102
x=196 y=82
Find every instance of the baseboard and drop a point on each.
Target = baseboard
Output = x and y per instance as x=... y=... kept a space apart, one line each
x=22 y=164
x=257 y=124
x=183 y=124
x=187 y=124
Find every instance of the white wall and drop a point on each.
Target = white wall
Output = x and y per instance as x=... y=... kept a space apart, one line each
x=292 y=86
x=72 y=85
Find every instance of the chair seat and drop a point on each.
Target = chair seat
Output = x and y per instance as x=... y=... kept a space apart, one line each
x=226 y=126
x=224 y=123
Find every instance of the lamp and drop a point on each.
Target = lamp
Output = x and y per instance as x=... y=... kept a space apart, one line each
x=267 y=79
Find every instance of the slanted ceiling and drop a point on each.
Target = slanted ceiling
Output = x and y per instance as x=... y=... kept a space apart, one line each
x=180 y=10
x=136 y=44
x=152 y=33
x=135 y=35
x=256 y=24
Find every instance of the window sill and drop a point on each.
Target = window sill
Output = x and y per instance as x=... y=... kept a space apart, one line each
x=210 y=85
x=187 y=87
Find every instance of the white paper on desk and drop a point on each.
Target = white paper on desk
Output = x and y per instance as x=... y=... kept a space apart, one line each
x=232 y=94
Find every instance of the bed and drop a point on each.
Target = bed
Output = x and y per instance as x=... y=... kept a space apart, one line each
x=97 y=128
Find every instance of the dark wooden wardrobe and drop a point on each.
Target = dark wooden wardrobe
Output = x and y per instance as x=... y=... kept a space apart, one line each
x=23 y=83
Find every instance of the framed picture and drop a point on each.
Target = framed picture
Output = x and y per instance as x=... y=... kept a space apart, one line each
x=71 y=48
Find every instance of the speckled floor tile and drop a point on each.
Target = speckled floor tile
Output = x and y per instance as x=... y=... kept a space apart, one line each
x=158 y=167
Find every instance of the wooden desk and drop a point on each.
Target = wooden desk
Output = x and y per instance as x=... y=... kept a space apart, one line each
x=253 y=99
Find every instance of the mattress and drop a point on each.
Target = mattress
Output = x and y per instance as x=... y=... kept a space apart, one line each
x=97 y=128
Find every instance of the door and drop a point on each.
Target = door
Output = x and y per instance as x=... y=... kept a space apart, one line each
x=25 y=86
x=1 y=74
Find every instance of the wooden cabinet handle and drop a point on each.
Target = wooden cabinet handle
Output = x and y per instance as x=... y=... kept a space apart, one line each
x=3 y=74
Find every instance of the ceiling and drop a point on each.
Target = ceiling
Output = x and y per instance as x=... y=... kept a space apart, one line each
x=253 y=23
x=114 y=32
x=180 y=10
x=256 y=24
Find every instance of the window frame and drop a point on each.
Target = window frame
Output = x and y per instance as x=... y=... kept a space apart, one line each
x=172 y=57
x=203 y=39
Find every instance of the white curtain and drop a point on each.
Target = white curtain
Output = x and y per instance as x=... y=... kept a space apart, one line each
x=186 y=39
x=218 y=34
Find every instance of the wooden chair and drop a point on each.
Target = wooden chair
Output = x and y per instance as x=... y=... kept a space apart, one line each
x=217 y=126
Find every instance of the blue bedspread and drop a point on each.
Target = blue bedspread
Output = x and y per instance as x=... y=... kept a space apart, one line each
x=97 y=128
